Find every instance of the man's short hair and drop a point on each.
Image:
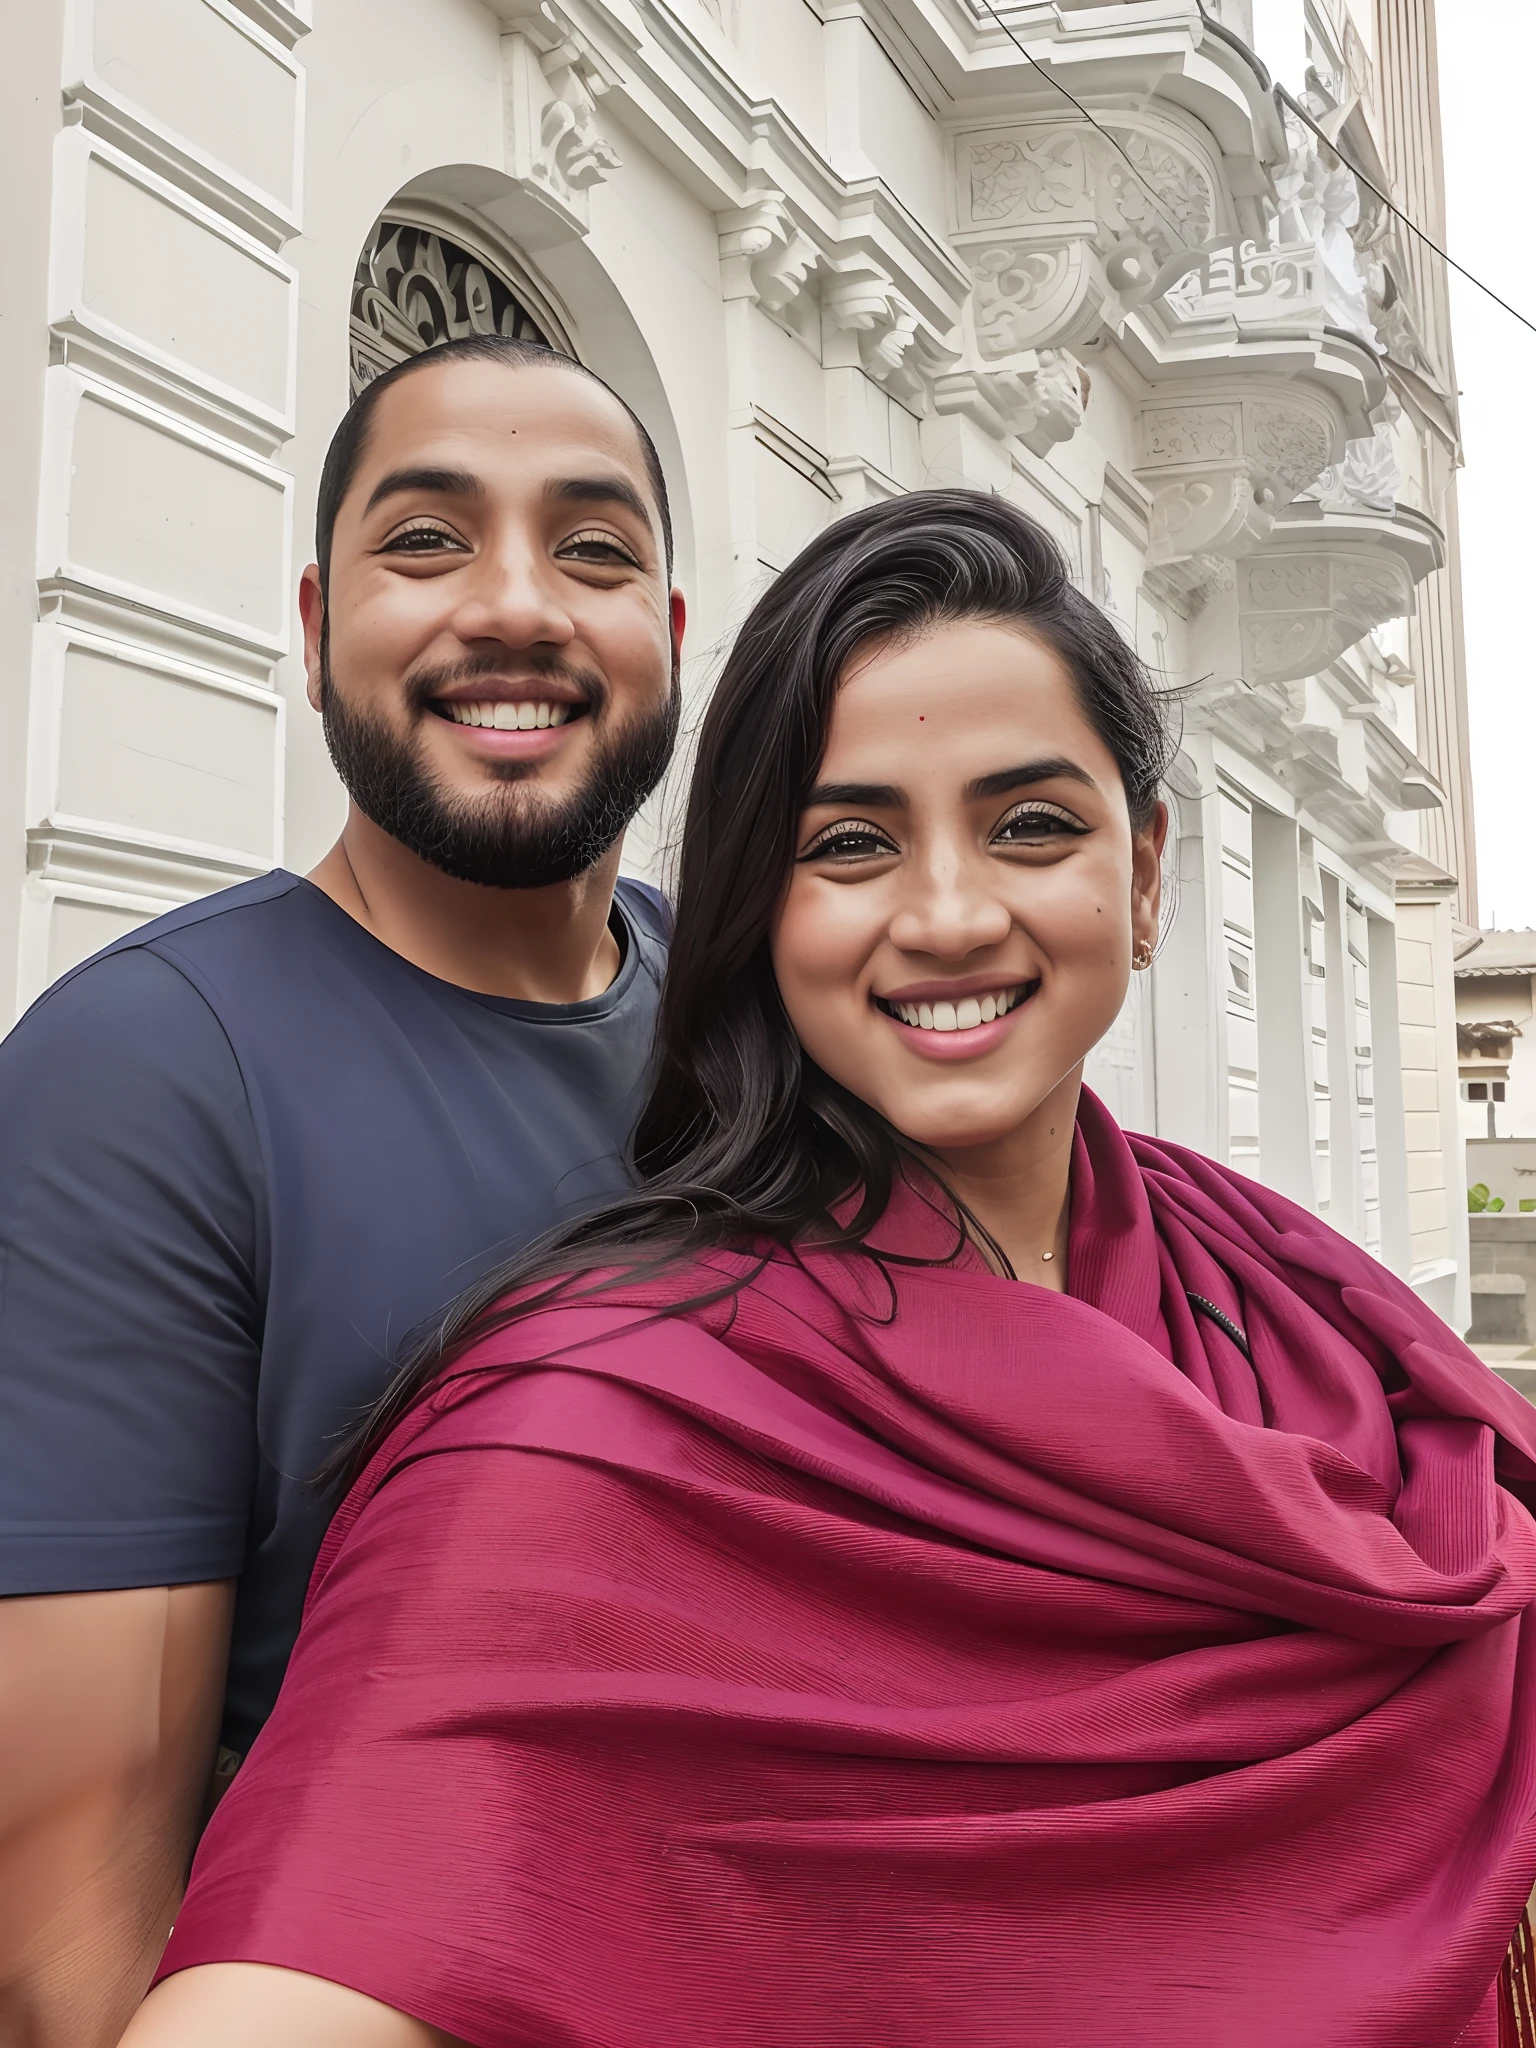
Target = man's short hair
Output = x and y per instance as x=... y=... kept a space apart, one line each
x=351 y=438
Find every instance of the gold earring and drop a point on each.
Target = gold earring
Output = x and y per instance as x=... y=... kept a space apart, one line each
x=1142 y=957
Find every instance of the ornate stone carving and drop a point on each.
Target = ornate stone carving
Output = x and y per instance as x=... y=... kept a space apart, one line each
x=1061 y=234
x=1056 y=399
x=1299 y=610
x=1292 y=445
x=1042 y=405
x=860 y=299
x=414 y=288
x=1320 y=203
x=763 y=254
x=1368 y=478
x=1018 y=291
x=553 y=81
x=1252 y=285
x=1192 y=433
x=1181 y=216
x=1019 y=177
x=1219 y=473
x=1390 y=303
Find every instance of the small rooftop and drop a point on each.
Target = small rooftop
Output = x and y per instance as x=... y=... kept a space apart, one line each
x=1498 y=953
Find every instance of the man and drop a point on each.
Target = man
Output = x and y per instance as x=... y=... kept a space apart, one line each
x=250 y=1146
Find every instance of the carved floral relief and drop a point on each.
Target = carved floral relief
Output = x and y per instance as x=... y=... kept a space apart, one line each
x=1015 y=177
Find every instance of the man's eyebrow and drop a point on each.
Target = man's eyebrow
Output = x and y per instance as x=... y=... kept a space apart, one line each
x=599 y=490
x=442 y=483
x=1051 y=768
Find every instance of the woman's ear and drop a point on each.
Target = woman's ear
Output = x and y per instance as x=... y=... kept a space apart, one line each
x=1147 y=879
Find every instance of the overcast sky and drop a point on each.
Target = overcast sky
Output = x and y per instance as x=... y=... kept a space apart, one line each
x=1487 y=58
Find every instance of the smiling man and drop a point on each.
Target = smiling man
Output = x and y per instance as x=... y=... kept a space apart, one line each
x=251 y=1146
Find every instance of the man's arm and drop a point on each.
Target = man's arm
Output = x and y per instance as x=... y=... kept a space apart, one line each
x=130 y=1197
x=109 y=1714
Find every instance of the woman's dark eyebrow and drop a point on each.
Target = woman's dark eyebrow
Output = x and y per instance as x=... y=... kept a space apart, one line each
x=885 y=796
x=443 y=483
x=1006 y=780
x=869 y=796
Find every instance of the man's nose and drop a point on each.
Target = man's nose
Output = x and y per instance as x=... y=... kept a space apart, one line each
x=511 y=594
x=950 y=907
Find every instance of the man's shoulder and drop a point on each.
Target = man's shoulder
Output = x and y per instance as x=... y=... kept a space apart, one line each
x=180 y=930
x=647 y=908
x=145 y=984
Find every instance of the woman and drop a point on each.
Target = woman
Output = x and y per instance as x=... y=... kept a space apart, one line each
x=926 y=1569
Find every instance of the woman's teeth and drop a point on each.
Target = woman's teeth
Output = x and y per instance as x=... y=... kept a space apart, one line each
x=509 y=717
x=962 y=1016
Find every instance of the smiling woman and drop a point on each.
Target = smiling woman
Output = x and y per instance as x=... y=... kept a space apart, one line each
x=925 y=1567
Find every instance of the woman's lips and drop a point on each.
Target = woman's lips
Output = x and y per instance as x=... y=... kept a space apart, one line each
x=962 y=1043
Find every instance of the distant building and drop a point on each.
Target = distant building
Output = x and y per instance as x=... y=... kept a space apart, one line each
x=1496 y=1055
x=1082 y=255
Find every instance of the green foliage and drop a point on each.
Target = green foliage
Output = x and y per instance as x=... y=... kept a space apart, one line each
x=1481 y=1203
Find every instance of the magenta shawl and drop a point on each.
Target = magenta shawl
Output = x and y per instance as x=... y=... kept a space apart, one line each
x=1016 y=1669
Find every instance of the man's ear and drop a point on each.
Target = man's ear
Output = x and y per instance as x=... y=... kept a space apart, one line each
x=312 y=612
x=678 y=606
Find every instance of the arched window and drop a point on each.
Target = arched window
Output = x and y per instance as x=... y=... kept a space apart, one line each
x=415 y=287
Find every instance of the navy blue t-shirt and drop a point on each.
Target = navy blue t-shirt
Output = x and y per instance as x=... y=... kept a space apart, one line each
x=242 y=1153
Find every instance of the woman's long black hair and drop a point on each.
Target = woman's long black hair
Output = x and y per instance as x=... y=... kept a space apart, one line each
x=744 y=1140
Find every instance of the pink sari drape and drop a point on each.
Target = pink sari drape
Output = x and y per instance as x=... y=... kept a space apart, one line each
x=1010 y=1668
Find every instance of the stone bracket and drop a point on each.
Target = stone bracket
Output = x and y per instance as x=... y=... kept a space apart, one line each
x=1220 y=470
x=552 y=80
x=764 y=256
x=1300 y=607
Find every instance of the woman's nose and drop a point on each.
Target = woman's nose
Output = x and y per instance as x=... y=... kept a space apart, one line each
x=510 y=595
x=950 y=908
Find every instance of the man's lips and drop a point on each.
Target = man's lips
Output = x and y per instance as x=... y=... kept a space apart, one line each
x=511 y=716
x=525 y=714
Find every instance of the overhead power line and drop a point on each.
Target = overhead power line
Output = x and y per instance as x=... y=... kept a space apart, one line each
x=1112 y=139
x=1283 y=97
x=1290 y=100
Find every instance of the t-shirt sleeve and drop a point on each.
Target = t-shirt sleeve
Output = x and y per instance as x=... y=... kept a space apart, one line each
x=650 y=909
x=129 y=1306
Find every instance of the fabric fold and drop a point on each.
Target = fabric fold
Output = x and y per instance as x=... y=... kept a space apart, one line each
x=925 y=1660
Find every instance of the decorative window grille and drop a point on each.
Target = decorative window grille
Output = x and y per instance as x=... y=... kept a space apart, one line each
x=415 y=287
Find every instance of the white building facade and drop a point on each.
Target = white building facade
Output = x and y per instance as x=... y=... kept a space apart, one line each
x=831 y=250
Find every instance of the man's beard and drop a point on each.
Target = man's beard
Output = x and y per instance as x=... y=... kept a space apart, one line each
x=512 y=837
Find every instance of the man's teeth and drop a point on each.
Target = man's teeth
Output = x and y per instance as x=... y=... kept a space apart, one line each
x=510 y=717
x=962 y=1016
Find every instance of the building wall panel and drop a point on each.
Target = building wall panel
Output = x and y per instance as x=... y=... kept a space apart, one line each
x=165 y=275
x=204 y=73
x=170 y=756
x=179 y=518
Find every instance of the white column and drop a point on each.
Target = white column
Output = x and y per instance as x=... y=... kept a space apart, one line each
x=1347 y=1205
x=1284 y=1009
x=1391 y=1131
x=1236 y=976
x=154 y=731
x=1188 y=1017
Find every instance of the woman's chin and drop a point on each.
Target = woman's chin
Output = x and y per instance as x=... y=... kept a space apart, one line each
x=943 y=1131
